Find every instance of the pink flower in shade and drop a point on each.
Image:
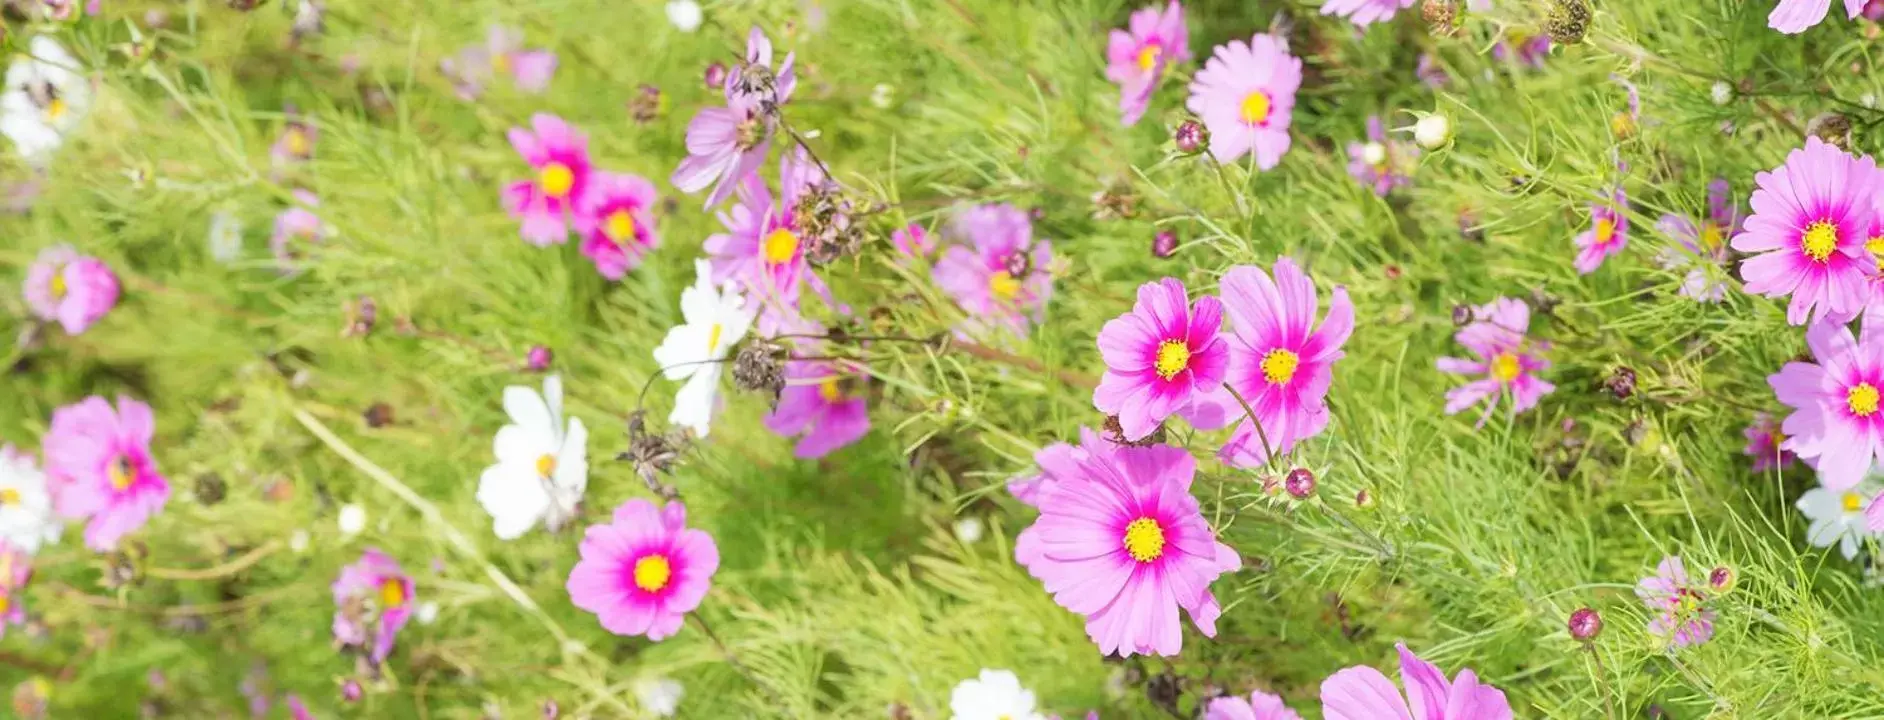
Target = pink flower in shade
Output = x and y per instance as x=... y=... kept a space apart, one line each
x=727 y=144
x=1001 y=277
x=1246 y=94
x=1281 y=363
x=560 y=156
x=295 y=226
x=762 y=251
x=912 y=243
x=1811 y=217
x=1259 y=706
x=1874 y=10
x=374 y=600
x=74 y=290
x=824 y=404
x=1835 y=424
x=1608 y=233
x=1431 y=72
x=643 y=572
x=1380 y=163
x=1136 y=58
x=1764 y=441
x=16 y=568
x=295 y=144
x=297 y=710
x=502 y=53
x=1506 y=358
x=1681 y=615
x=1120 y=540
x=1702 y=247
x=615 y=220
x=1794 y=16
x=1160 y=356
x=1526 y=49
x=98 y=465
x=1363 y=693
x=1364 y=12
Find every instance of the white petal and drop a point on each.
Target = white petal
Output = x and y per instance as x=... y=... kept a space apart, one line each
x=680 y=353
x=693 y=405
x=518 y=445
x=553 y=397
x=1823 y=533
x=572 y=461
x=526 y=408
x=515 y=498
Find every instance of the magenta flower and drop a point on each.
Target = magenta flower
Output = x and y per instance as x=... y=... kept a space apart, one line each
x=1259 y=706
x=1811 y=216
x=1526 y=49
x=1159 y=357
x=98 y=465
x=1001 y=280
x=912 y=243
x=297 y=710
x=560 y=156
x=1682 y=619
x=1702 y=247
x=74 y=290
x=1764 y=441
x=823 y=403
x=1363 y=693
x=725 y=145
x=1380 y=163
x=295 y=226
x=1246 y=94
x=1136 y=58
x=1835 y=423
x=374 y=599
x=1431 y=72
x=615 y=220
x=1608 y=233
x=16 y=568
x=1280 y=362
x=1794 y=16
x=643 y=572
x=1364 y=12
x=502 y=53
x=1507 y=359
x=762 y=251
x=1120 y=540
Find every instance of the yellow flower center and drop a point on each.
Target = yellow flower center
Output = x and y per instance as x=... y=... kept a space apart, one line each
x=56 y=109
x=1003 y=285
x=652 y=573
x=297 y=142
x=1505 y=367
x=1623 y=125
x=713 y=337
x=1144 y=540
x=57 y=287
x=1852 y=502
x=9 y=497
x=556 y=179
x=779 y=247
x=1279 y=365
x=546 y=466
x=1875 y=246
x=392 y=593
x=1148 y=57
x=1711 y=235
x=500 y=62
x=830 y=390
x=6 y=603
x=119 y=471
x=1862 y=399
x=619 y=226
x=1256 y=108
x=1173 y=357
x=1820 y=239
x=1605 y=230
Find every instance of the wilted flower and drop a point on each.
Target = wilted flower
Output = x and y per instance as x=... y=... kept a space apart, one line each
x=725 y=145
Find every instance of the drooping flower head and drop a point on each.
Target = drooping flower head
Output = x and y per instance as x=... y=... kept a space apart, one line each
x=1764 y=444
x=1503 y=354
x=559 y=154
x=99 y=467
x=1001 y=278
x=72 y=289
x=1811 y=218
x=645 y=570
x=1121 y=541
x=502 y=53
x=1608 y=233
x=1682 y=616
x=714 y=320
x=1137 y=57
x=615 y=220
x=1363 y=693
x=1837 y=516
x=1246 y=96
x=296 y=226
x=542 y=465
x=1364 y=12
x=727 y=144
x=46 y=96
x=1835 y=423
x=823 y=402
x=1381 y=163
x=26 y=516
x=763 y=251
x=1701 y=247
x=1160 y=357
x=374 y=599
x=1795 y=16
x=1259 y=706
x=993 y=695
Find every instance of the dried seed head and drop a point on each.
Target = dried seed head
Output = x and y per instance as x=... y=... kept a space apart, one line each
x=378 y=415
x=210 y=489
x=1621 y=382
x=1567 y=21
x=1114 y=202
x=1461 y=314
x=652 y=455
x=1163 y=691
x=648 y=104
x=1442 y=16
x=829 y=224
x=759 y=366
x=1833 y=128
x=1164 y=244
x=1300 y=483
x=1191 y=137
x=1116 y=433
x=1585 y=624
x=362 y=314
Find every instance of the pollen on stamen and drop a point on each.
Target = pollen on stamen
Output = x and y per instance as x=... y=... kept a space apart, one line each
x=557 y=179
x=1148 y=57
x=652 y=572
x=1173 y=357
x=1144 y=540
x=546 y=466
x=1279 y=366
x=1255 y=109
x=1862 y=399
x=1819 y=241
x=1505 y=367
x=1852 y=502
x=779 y=246
x=619 y=226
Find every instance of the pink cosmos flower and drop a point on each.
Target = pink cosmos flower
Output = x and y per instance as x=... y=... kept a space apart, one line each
x=1526 y=49
x=1794 y=16
x=16 y=568
x=724 y=145
x=912 y=243
x=1259 y=706
x=1363 y=693
x=502 y=53
x=374 y=598
x=1507 y=359
x=560 y=156
x=1810 y=219
x=74 y=290
x=823 y=403
x=1280 y=362
x=1246 y=94
x=1160 y=356
x=762 y=251
x=1136 y=58
x=99 y=466
x=295 y=145
x=1364 y=12
x=642 y=573
x=1683 y=618
x=297 y=710
x=1874 y=514
x=1002 y=279
x=295 y=226
x=1608 y=233
x=615 y=220
x=1835 y=422
x=1431 y=72
x=1380 y=163
x=1764 y=441
x=1120 y=540
x=1702 y=248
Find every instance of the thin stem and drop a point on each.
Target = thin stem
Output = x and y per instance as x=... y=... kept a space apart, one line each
x=793 y=132
x=229 y=568
x=1602 y=681
x=1070 y=377
x=641 y=398
x=1269 y=453
x=733 y=659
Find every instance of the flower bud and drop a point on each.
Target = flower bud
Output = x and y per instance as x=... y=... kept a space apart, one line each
x=715 y=76
x=350 y=691
x=1722 y=579
x=1164 y=244
x=538 y=359
x=1722 y=93
x=1191 y=137
x=1620 y=383
x=1585 y=624
x=1833 y=128
x=1433 y=131
x=1300 y=483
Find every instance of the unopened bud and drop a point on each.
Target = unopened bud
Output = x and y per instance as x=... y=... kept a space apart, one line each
x=1300 y=483
x=1191 y=137
x=1433 y=131
x=538 y=359
x=1164 y=244
x=1722 y=579
x=715 y=76
x=1620 y=383
x=1585 y=624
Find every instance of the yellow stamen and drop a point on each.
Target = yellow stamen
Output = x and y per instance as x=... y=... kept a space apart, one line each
x=619 y=226
x=57 y=287
x=1173 y=357
x=1712 y=236
x=9 y=497
x=779 y=247
x=557 y=179
x=1279 y=366
x=1003 y=285
x=56 y=109
x=1144 y=540
x=1505 y=367
x=297 y=142
x=830 y=390
x=546 y=466
x=1852 y=502
x=1256 y=108
x=1148 y=57
x=6 y=603
x=392 y=593
x=713 y=338
x=652 y=573
x=1862 y=399
x=500 y=62
x=1819 y=240
x=1623 y=125
x=120 y=473
x=1875 y=246
x=1605 y=230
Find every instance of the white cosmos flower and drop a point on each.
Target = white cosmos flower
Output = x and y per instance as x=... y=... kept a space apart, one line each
x=715 y=320
x=1837 y=516
x=225 y=237
x=684 y=14
x=542 y=468
x=352 y=519
x=45 y=98
x=26 y=518
x=660 y=696
x=996 y=695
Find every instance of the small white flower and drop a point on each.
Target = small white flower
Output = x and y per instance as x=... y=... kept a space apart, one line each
x=298 y=541
x=1837 y=516
x=996 y=695
x=1433 y=131
x=46 y=97
x=542 y=467
x=26 y=517
x=684 y=14
x=426 y=613
x=225 y=237
x=1722 y=93
x=715 y=321
x=1374 y=153
x=352 y=519
x=882 y=95
x=660 y=696
x=1869 y=100
x=968 y=530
